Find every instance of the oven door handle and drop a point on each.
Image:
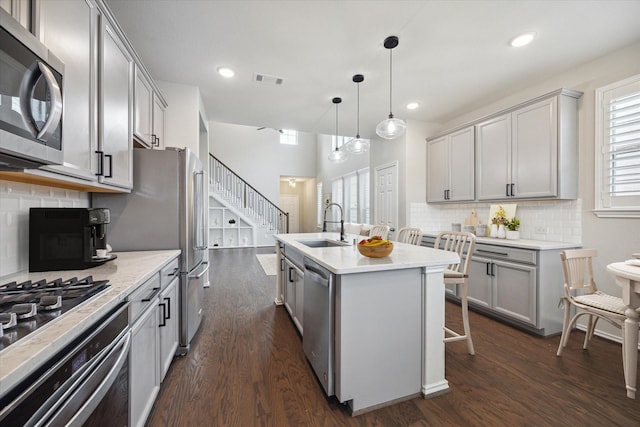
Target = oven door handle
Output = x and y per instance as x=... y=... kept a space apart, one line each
x=68 y=413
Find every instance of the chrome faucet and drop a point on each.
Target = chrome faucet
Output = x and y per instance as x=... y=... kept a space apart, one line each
x=324 y=222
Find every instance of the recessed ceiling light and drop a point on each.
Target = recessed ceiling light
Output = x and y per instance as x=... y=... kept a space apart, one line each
x=413 y=105
x=523 y=39
x=226 y=72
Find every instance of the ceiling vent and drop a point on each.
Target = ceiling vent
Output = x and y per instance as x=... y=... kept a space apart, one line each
x=267 y=79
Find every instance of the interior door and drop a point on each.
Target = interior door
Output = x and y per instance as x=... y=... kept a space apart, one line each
x=386 y=208
x=291 y=203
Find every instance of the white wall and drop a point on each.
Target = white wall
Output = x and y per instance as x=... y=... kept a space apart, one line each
x=259 y=158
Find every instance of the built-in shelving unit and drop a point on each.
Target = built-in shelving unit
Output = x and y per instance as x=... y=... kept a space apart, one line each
x=227 y=229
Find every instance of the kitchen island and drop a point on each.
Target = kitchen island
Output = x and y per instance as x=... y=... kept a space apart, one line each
x=387 y=322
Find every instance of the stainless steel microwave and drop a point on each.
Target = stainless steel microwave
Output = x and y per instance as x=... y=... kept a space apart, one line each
x=31 y=99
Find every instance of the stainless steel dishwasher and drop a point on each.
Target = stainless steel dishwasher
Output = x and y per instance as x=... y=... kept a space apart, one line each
x=318 y=320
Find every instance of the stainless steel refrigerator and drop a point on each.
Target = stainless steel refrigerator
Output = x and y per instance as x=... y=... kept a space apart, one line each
x=166 y=210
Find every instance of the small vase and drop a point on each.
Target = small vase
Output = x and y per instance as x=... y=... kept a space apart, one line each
x=501 y=232
x=513 y=234
x=494 y=230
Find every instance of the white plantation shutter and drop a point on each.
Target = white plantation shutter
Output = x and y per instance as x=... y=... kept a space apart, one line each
x=363 y=196
x=319 y=204
x=351 y=198
x=618 y=145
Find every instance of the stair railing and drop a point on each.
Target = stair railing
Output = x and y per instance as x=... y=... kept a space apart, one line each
x=244 y=196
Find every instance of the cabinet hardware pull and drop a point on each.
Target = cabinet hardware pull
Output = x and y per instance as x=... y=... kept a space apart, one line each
x=173 y=273
x=493 y=269
x=512 y=192
x=488 y=266
x=290 y=270
x=100 y=163
x=492 y=252
x=164 y=315
x=110 y=166
x=444 y=194
x=152 y=295
x=168 y=300
x=507 y=190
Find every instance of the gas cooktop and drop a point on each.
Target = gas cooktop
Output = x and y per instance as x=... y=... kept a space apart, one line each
x=29 y=305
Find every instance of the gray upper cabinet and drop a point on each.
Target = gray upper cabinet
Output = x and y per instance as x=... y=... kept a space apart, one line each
x=451 y=161
x=20 y=10
x=142 y=118
x=158 y=122
x=530 y=152
x=115 y=141
x=69 y=29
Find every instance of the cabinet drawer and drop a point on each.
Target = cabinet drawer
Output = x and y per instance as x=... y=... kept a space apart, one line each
x=170 y=272
x=504 y=253
x=143 y=297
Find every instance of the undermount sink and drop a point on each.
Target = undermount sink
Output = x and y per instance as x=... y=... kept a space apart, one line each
x=324 y=243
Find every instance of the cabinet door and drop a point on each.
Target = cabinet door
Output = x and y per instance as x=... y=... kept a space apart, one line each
x=437 y=169
x=290 y=287
x=142 y=109
x=143 y=376
x=168 y=318
x=535 y=150
x=299 y=317
x=480 y=279
x=514 y=292
x=493 y=157
x=20 y=10
x=115 y=114
x=158 y=124
x=59 y=23
x=462 y=165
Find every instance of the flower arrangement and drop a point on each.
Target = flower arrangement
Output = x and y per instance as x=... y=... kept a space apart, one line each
x=501 y=216
x=513 y=224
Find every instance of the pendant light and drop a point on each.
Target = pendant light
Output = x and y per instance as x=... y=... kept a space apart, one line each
x=337 y=155
x=391 y=128
x=358 y=145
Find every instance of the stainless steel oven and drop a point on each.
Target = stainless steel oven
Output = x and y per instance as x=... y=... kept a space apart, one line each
x=31 y=99
x=86 y=383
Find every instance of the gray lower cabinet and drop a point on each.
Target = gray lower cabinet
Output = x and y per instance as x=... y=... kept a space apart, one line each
x=520 y=286
x=294 y=292
x=168 y=326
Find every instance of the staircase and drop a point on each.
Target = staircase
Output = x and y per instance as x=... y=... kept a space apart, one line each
x=233 y=192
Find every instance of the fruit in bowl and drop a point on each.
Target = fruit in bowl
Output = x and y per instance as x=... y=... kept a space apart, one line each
x=375 y=247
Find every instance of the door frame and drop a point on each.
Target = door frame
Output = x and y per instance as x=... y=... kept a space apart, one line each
x=377 y=170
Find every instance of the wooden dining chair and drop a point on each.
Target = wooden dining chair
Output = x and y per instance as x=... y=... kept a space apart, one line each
x=380 y=230
x=410 y=235
x=580 y=291
x=462 y=243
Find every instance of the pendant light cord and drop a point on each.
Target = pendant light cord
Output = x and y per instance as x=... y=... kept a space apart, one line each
x=336 y=127
x=390 y=81
x=358 y=111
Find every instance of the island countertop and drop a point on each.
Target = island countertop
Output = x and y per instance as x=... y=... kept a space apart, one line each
x=125 y=273
x=347 y=259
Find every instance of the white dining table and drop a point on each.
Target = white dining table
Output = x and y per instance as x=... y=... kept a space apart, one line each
x=628 y=278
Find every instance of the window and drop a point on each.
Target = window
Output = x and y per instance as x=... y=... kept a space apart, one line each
x=618 y=149
x=288 y=137
x=319 y=204
x=338 y=141
x=350 y=197
x=363 y=196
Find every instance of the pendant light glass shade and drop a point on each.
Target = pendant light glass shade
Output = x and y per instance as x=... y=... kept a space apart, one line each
x=337 y=155
x=358 y=145
x=391 y=128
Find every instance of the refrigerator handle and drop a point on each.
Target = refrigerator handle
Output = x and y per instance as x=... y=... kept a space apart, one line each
x=202 y=273
x=200 y=237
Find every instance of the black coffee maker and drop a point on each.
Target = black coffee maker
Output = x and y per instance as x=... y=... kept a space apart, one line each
x=67 y=238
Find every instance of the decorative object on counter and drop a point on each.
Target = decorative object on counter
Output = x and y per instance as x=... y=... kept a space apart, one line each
x=358 y=145
x=481 y=230
x=502 y=233
x=494 y=230
x=337 y=155
x=469 y=229
x=471 y=223
x=391 y=128
x=508 y=210
x=456 y=226
x=513 y=225
x=375 y=247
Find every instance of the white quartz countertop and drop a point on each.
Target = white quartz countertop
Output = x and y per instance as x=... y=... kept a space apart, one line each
x=125 y=273
x=347 y=259
x=539 y=245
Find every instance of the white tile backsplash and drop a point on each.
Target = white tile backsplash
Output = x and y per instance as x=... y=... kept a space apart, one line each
x=557 y=220
x=15 y=200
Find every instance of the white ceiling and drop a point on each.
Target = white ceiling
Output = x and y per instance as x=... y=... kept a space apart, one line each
x=453 y=56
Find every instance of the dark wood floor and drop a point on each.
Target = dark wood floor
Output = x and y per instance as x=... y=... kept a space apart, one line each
x=247 y=368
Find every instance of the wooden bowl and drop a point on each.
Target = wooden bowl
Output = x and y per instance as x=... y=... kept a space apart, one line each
x=376 y=251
